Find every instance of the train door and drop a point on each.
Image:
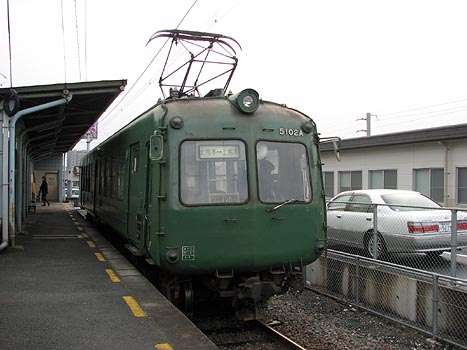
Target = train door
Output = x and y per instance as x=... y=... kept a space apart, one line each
x=136 y=196
x=148 y=200
x=95 y=184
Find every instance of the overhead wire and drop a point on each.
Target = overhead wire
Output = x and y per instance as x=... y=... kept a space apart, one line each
x=77 y=41
x=385 y=120
x=424 y=107
x=147 y=67
x=129 y=101
x=85 y=39
x=426 y=116
x=218 y=18
x=9 y=42
x=434 y=112
x=390 y=117
x=63 y=41
x=205 y=28
x=414 y=115
x=178 y=54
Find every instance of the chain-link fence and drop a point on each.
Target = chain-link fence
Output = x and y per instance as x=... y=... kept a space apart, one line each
x=427 y=301
x=403 y=262
x=432 y=239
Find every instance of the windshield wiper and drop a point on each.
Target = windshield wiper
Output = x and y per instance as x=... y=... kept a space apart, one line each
x=281 y=205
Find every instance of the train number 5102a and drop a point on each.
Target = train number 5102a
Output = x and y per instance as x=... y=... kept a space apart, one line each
x=290 y=132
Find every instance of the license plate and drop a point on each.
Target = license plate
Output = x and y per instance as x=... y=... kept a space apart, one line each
x=445 y=227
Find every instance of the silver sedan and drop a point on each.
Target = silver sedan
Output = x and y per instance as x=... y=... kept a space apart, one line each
x=406 y=221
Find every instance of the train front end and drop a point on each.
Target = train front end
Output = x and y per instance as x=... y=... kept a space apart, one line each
x=240 y=202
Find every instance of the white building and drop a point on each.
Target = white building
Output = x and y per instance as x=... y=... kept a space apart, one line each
x=72 y=167
x=431 y=161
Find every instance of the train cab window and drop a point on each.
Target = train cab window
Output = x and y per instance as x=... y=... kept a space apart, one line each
x=283 y=172
x=213 y=172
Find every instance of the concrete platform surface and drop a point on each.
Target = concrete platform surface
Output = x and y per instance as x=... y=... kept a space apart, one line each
x=63 y=286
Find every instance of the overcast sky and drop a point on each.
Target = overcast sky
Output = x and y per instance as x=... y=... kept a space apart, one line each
x=404 y=61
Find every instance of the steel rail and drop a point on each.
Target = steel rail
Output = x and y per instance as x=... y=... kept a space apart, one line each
x=287 y=342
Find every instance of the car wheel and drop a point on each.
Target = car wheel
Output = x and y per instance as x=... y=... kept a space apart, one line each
x=380 y=246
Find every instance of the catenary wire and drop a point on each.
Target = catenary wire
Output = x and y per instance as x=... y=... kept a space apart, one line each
x=85 y=39
x=349 y=126
x=63 y=41
x=9 y=42
x=147 y=67
x=77 y=41
x=424 y=107
x=205 y=27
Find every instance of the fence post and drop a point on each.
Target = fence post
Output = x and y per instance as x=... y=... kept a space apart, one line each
x=453 y=242
x=375 y=231
x=434 y=320
x=357 y=281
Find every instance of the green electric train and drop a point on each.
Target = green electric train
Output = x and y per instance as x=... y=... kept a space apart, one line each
x=222 y=191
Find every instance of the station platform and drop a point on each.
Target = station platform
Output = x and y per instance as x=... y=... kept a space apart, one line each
x=64 y=286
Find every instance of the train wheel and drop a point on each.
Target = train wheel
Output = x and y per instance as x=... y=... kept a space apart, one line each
x=186 y=298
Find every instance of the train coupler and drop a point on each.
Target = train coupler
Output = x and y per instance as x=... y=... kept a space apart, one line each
x=255 y=289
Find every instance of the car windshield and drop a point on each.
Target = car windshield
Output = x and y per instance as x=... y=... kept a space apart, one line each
x=408 y=201
x=283 y=172
x=213 y=172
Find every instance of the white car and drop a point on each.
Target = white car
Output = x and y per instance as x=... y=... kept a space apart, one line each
x=406 y=222
x=74 y=194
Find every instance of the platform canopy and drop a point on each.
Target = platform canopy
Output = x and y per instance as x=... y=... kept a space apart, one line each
x=58 y=129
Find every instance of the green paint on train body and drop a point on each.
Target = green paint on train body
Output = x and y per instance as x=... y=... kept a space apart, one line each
x=198 y=210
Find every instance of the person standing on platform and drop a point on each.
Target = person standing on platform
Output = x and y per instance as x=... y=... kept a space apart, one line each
x=44 y=189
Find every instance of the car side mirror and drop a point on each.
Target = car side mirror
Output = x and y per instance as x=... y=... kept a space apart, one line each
x=156 y=146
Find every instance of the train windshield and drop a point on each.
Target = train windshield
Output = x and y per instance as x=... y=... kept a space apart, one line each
x=283 y=172
x=213 y=172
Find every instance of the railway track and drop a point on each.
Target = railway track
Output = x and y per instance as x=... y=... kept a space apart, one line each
x=229 y=333
x=217 y=321
x=286 y=343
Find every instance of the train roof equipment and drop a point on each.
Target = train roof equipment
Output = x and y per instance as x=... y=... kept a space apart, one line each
x=210 y=56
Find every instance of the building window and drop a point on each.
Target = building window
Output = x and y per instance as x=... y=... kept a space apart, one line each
x=462 y=185
x=383 y=179
x=430 y=182
x=350 y=180
x=329 y=184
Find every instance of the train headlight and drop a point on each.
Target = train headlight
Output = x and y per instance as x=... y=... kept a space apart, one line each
x=246 y=101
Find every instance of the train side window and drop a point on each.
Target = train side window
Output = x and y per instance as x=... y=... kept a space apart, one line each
x=101 y=176
x=134 y=165
x=213 y=172
x=113 y=177
x=108 y=169
x=121 y=175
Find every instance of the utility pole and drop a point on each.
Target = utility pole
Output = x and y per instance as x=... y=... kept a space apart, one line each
x=368 y=123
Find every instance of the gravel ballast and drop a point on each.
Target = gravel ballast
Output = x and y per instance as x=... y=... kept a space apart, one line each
x=319 y=322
